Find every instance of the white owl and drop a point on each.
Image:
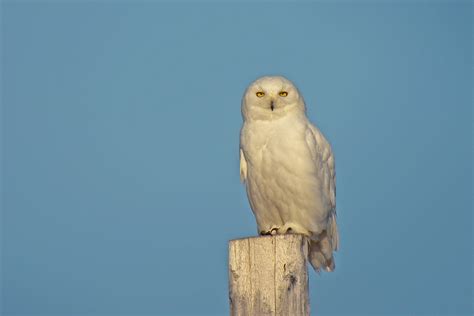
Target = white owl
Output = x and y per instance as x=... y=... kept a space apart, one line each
x=288 y=168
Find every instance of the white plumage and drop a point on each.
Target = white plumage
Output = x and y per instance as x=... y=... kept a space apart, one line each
x=288 y=168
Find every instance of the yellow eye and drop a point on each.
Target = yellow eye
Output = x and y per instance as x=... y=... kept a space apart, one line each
x=283 y=93
x=260 y=94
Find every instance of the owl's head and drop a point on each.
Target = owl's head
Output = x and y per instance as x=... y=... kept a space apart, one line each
x=271 y=98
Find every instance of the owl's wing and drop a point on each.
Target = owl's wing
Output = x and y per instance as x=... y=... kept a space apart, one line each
x=323 y=157
x=243 y=166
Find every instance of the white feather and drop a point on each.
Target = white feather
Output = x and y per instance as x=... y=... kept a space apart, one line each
x=243 y=167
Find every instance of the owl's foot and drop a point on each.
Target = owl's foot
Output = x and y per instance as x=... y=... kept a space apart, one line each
x=271 y=232
x=293 y=228
x=286 y=229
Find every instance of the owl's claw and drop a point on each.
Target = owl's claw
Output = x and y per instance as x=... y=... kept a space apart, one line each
x=273 y=231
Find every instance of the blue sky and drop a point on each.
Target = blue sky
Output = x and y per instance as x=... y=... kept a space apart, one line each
x=120 y=132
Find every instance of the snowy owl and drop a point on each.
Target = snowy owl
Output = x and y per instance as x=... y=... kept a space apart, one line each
x=288 y=168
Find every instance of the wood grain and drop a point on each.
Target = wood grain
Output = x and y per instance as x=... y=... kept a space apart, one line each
x=268 y=276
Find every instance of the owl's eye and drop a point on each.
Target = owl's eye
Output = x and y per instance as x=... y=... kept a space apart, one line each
x=283 y=93
x=260 y=94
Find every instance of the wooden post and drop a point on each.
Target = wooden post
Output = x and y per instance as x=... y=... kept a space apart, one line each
x=269 y=276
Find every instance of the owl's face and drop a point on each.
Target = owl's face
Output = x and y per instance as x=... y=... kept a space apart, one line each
x=271 y=97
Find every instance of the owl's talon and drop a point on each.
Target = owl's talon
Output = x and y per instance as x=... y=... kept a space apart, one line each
x=273 y=231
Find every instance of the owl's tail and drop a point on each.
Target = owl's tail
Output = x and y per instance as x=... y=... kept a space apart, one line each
x=320 y=250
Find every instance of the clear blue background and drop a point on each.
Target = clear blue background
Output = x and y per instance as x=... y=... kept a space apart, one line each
x=120 y=131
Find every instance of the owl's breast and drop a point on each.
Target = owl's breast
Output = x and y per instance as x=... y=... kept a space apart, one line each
x=271 y=147
x=282 y=177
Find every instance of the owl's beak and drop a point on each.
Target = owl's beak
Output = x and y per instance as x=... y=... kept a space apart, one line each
x=272 y=106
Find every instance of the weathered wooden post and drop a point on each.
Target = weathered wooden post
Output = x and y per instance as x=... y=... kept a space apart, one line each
x=268 y=276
